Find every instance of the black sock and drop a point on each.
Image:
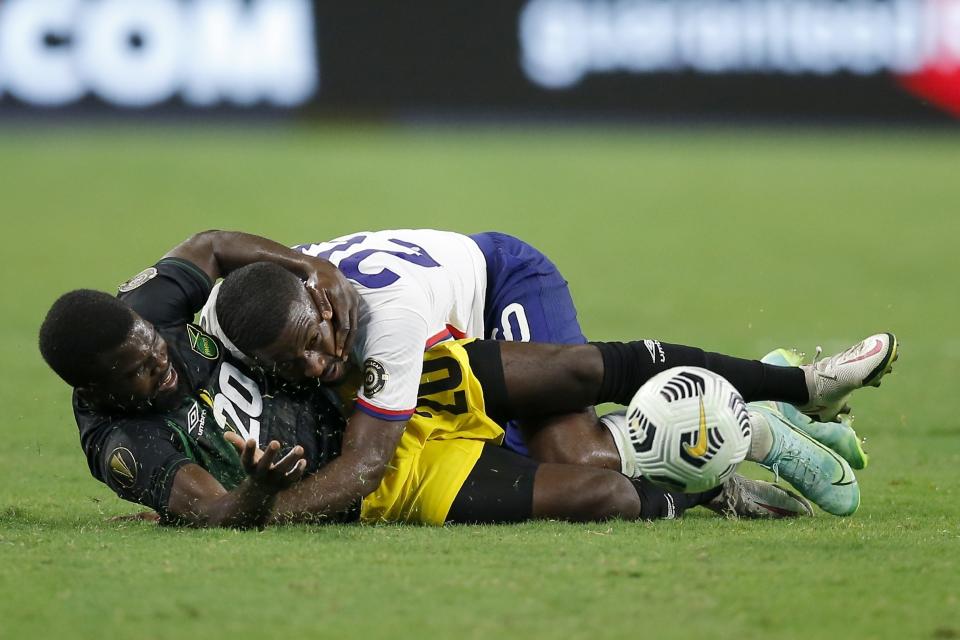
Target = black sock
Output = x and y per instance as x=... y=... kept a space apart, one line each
x=658 y=503
x=627 y=365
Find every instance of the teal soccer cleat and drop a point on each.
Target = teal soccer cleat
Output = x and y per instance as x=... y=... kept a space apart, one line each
x=816 y=471
x=839 y=436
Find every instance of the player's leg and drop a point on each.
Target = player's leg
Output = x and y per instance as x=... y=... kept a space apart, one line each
x=543 y=379
x=571 y=438
x=506 y=487
x=525 y=379
x=530 y=381
x=580 y=493
x=533 y=380
x=528 y=300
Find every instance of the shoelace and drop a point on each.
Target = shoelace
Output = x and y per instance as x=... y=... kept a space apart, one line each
x=730 y=488
x=817 y=379
x=795 y=454
x=802 y=461
x=817 y=355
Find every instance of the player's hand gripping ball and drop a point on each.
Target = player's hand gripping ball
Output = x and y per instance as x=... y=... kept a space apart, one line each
x=689 y=429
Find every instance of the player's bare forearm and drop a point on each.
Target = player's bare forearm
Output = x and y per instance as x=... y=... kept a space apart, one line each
x=219 y=252
x=330 y=491
x=198 y=500
x=368 y=447
x=275 y=492
x=245 y=507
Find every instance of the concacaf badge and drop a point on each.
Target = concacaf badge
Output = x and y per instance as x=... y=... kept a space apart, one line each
x=374 y=377
x=144 y=276
x=123 y=467
x=202 y=344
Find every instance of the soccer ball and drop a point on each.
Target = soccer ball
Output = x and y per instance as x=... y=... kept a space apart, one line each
x=689 y=429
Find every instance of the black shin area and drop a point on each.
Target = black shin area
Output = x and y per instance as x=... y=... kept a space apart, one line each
x=498 y=489
x=657 y=503
x=627 y=365
x=487 y=365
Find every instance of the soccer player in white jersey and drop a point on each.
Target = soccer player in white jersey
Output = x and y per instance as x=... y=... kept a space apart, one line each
x=420 y=287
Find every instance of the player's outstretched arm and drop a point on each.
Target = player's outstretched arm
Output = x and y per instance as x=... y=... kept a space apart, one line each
x=218 y=253
x=199 y=500
x=368 y=446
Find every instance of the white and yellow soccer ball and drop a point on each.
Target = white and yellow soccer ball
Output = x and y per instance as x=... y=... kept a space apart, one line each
x=689 y=429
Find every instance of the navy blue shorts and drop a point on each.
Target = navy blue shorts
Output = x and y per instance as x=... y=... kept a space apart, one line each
x=527 y=301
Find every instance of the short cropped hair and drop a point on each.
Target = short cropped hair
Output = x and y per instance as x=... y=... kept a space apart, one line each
x=79 y=328
x=254 y=303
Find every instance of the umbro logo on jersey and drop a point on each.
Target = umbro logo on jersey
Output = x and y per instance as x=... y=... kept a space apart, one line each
x=196 y=419
x=656 y=350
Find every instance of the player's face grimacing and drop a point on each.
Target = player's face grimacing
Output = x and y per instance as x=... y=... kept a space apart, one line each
x=141 y=373
x=304 y=349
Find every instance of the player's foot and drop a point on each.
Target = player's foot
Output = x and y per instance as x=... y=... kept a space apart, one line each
x=816 y=471
x=839 y=436
x=831 y=381
x=745 y=498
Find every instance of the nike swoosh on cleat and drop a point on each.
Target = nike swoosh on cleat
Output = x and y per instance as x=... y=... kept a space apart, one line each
x=877 y=348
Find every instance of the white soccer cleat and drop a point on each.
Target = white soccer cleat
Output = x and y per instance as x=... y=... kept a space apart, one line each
x=831 y=381
x=745 y=498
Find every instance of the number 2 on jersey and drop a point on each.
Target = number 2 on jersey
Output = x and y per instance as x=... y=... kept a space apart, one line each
x=350 y=265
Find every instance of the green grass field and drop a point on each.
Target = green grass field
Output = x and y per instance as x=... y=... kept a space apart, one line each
x=736 y=241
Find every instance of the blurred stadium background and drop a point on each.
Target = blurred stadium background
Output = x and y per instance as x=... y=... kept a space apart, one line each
x=736 y=174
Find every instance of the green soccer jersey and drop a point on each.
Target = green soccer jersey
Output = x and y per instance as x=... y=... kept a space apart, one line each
x=138 y=455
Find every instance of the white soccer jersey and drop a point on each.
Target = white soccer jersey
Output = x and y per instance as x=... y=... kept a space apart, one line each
x=417 y=288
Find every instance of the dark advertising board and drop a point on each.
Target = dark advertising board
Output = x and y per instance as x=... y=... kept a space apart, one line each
x=813 y=59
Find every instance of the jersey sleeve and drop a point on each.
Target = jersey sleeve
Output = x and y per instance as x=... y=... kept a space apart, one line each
x=391 y=361
x=138 y=461
x=168 y=293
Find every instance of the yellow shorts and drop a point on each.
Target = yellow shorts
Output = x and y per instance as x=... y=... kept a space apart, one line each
x=440 y=446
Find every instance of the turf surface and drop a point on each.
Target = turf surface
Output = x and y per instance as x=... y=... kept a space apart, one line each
x=736 y=241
